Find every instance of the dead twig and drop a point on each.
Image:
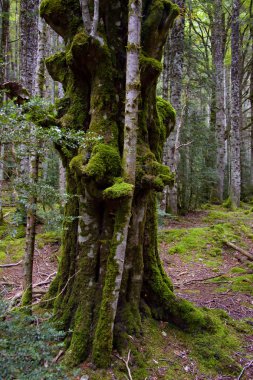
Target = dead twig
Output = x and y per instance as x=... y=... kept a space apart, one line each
x=202 y=279
x=126 y=362
x=239 y=249
x=244 y=369
x=46 y=281
x=58 y=356
x=11 y=265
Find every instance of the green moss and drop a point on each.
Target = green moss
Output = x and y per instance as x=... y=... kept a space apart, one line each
x=156 y=13
x=2 y=256
x=238 y=270
x=50 y=237
x=64 y=16
x=77 y=164
x=103 y=340
x=26 y=300
x=228 y=204
x=119 y=189
x=104 y=163
x=167 y=114
x=153 y=175
x=57 y=66
x=243 y=283
x=150 y=62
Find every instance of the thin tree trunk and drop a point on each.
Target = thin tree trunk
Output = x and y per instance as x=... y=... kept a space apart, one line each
x=41 y=55
x=251 y=98
x=86 y=15
x=4 y=43
x=171 y=151
x=30 y=234
x=235 y=185
x=218 y=40
x=166 y=67
x=62 y=178
x=28 y=42
x=2 y=146
x=29 y=77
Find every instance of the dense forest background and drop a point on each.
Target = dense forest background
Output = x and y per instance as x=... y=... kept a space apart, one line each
x=83 y=190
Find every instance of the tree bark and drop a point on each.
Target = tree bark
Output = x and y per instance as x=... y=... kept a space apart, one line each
x=29 y=62
x=171 y=151
x=28 y=42
x=251 y=99
x=40 y=82
x=218 y=42
x=2 y=149
x=235 y=184
x=4 y=46
x=110 y=262
x=30 y=234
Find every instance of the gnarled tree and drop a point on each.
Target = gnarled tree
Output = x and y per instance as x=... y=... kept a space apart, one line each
x=98 y=293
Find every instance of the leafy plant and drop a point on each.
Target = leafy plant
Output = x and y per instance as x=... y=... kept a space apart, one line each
x=28 y=347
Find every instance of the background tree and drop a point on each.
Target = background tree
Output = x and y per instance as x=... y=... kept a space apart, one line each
x=235 y=178
x=174 y=49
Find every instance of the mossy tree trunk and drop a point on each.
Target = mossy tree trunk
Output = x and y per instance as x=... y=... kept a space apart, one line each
x=93 y=73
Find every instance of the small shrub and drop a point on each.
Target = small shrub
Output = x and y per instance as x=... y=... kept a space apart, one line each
x=28 y=348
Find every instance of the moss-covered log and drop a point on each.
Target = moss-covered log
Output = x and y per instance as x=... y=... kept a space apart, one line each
x=92 y=70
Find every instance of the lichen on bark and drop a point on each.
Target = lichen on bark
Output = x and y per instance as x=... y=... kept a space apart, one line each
x=101 y=195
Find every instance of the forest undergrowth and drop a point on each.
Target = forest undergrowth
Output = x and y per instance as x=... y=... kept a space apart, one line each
x=205 y=269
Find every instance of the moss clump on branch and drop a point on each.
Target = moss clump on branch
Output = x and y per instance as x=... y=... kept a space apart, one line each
x=119 y=189
x=104 y=164
x=153 y=175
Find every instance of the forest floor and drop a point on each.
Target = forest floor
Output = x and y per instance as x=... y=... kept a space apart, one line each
x=204 y=270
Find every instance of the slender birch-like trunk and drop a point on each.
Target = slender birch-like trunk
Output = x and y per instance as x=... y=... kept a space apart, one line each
x=235 y=184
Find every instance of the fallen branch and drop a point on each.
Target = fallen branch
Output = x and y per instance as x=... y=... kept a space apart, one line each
x=58 y=356
x=244 y=369
x=242 y=251
x=11 y=265
x=202 y=279
x=5 y=283
x=126 y=362
x=46 y=281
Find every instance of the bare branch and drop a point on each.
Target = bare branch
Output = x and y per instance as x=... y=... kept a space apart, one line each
x=95 y=19
x=126 y=362
x=236 y=248
x=183 y=145
x=244 y=369
x=11 y=265
x=86 y=15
